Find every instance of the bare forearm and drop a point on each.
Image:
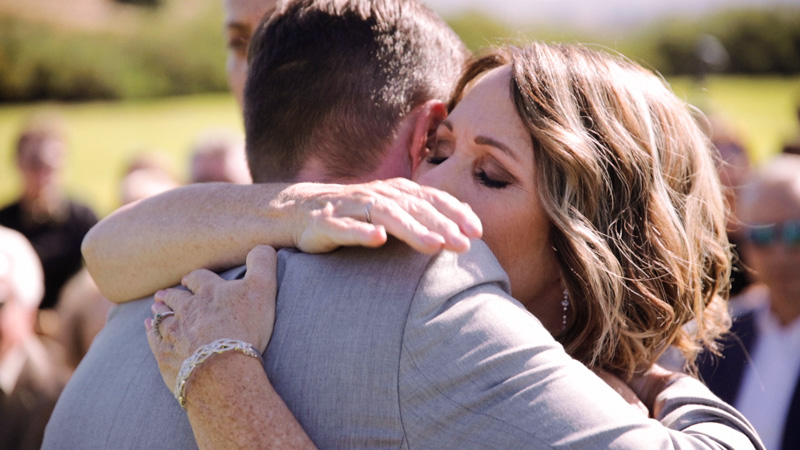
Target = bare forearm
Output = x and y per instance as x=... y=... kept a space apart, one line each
x=231 y=404
x=151 y=244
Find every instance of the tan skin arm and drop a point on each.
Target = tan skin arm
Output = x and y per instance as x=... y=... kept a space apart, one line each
x=214 y=414
x=229 y=399
x=151 y=244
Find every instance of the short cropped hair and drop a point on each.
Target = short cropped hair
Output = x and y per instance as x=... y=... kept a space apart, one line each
x=39 y=128
x=780 y=175
x=332 y=79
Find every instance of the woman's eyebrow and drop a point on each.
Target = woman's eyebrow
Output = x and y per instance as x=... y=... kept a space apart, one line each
x=484 y=140
x=447 y=124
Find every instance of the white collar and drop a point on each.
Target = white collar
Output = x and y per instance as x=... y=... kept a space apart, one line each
x=768 y=324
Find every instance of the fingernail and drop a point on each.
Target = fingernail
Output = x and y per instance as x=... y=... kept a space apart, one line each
x=461 y=243
x=472 y=230
x=435 y=240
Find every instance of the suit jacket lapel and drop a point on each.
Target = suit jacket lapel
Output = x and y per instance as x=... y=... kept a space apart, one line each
x=791 y=427
x=723 y=375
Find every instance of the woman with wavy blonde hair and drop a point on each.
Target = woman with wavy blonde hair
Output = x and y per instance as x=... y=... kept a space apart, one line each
x=627 y=179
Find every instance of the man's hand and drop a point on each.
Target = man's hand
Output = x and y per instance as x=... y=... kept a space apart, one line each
x=425 y=218
x=213 y=308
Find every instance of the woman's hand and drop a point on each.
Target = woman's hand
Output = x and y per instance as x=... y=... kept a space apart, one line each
x=212 y=309
x=425 y=218
x=649 y=384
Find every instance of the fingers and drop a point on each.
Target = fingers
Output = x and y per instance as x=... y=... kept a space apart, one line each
x=446 y=205
x=162 y=352
x=344 y=231
x=153 y=337
x=427 y=219
x=458 y=212
x=162 y=317
x=201 y=279
x=262 y=265
x=172 y=298
x=408 y=228
x=437 y=211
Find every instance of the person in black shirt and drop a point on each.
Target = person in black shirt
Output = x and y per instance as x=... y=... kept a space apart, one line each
x=54 y=224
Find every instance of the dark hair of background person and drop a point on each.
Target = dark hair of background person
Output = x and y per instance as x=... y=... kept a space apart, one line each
x=331 y=80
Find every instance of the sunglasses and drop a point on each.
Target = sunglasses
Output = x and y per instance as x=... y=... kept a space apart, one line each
x=788 y=232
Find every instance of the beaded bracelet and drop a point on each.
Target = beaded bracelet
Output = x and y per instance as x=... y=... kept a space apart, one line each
x=202 y=354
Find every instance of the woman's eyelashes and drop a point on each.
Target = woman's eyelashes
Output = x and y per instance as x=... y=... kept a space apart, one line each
x=487 y=171
x=489 y=182
x=490 y=173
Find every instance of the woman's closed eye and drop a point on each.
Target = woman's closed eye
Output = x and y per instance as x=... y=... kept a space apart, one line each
x=489 y=182
x=491 y=174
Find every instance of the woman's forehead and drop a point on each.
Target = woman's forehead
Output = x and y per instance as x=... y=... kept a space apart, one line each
x=487 y=108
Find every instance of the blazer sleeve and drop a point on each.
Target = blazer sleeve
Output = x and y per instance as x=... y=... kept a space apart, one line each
x=478 y=371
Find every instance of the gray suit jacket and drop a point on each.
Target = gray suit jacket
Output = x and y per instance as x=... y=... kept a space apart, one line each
x=393 y=349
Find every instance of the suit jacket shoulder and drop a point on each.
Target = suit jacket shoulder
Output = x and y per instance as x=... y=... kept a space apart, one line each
x=335 y=349
x=116 y=398
x=723 y=373
x=478 y=371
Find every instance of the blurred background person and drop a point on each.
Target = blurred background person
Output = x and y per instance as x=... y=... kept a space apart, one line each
x=218 y=156
x=734 y=170
x=759 y=371
x=147 y=174
x=53 y=223
x=792 y=146
x=82 y=309
x=241 y=19
x=30 y=380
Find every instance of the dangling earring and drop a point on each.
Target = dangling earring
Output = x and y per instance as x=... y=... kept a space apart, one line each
x=564 y=306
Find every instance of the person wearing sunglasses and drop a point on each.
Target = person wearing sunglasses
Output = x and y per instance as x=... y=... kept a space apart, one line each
x=759 y=371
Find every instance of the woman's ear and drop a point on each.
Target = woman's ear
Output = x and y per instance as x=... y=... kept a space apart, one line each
x=430 y=115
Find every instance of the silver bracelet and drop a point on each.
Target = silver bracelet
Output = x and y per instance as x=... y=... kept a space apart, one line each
x=202 y=354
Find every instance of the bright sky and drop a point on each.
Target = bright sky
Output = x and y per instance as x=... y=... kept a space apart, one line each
x=591 y=13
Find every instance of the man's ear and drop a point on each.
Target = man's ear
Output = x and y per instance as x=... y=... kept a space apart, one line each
x=431 y=114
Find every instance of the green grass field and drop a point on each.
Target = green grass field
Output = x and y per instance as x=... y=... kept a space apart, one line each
x=762 y=109
x=104 y=136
